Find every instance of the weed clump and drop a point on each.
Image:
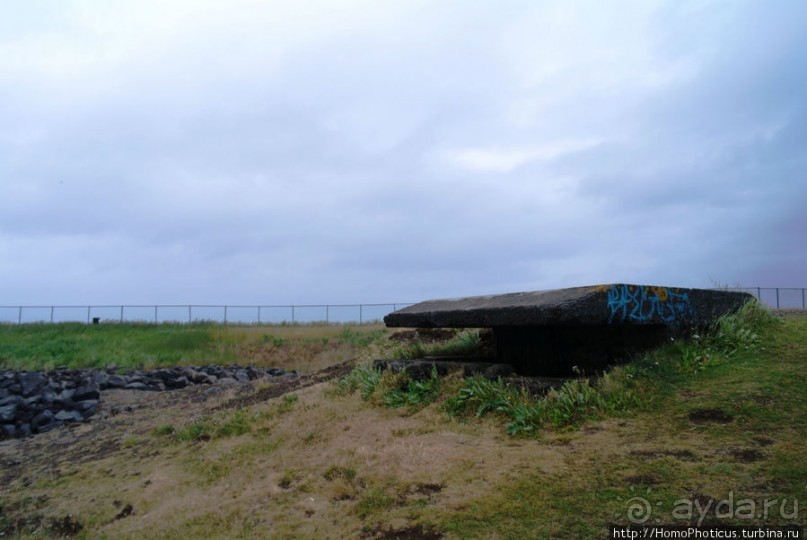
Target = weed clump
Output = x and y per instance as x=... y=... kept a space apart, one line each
x=737 y=332
x=575 y=401
x=374 y=501
x=413 y=393
x=335 y=472
x=464 y=343
x=164 y=430
x=221 y=426
x=393 y=390
x=364 y=377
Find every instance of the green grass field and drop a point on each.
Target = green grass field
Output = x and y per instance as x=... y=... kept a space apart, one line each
x=134 y=345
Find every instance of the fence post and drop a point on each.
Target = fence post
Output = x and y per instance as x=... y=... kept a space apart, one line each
x=803 y=306
x=361 y=314
x=759 y=294
x=51 y=314
x=19 y=316
x=259 y=314
x=292 y=314
x=190 y=316
x=327 y=314
x=777 y=297
x=155 y=315
x=225 y=314
x=88 y=314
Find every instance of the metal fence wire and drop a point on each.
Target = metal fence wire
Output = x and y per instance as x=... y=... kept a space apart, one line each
x=226 y=314
x=777 y=297
x=774 y=297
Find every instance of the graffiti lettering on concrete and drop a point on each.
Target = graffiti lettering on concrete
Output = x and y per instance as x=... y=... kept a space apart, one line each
x=637 y=303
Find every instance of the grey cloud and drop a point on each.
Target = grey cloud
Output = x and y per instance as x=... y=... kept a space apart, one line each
x=213 y=160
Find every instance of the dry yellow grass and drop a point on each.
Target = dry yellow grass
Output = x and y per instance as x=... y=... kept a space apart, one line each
x=274 y=480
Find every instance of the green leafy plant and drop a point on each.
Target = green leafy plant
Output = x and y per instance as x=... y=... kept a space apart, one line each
x=415 y=393
x=363 y=378
x=572 y=402
x=482 y=396
x=526 y=418
x=575 y=401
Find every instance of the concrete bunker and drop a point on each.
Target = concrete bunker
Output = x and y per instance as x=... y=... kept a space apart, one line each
x=560 y=332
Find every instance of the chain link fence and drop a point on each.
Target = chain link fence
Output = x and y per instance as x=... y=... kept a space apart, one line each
x=777 y=297
x=226 y=314
x=774 y=297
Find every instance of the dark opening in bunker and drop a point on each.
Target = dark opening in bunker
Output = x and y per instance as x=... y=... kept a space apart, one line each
x=558 y=350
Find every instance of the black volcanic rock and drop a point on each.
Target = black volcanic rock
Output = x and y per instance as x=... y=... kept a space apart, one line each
x=30 y=382
x=34 y=402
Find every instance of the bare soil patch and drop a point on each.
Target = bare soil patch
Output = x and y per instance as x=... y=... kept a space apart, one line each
x=747 y=455
x=686 y=455
x=417 y=532
x=702 y=416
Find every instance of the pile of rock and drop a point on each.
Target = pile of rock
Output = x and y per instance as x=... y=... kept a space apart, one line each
x=35 y=402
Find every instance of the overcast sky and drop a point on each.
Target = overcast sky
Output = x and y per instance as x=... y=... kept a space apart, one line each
x=264 y=152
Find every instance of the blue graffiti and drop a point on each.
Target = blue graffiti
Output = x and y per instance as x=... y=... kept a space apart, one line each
x=638 y=303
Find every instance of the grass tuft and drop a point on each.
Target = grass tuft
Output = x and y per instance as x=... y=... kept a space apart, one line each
x=393 y=390
x=413 y=393
x=373 y=501
x=336 y=472
x=221 y=426
x=364 y=378
x=164 y=430
x=465 y=343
